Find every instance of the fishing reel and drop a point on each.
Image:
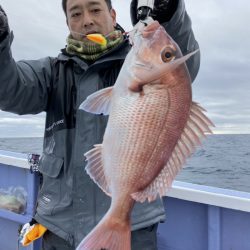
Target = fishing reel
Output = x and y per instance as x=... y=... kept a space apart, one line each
x=33 y=160
x=159 y=10
x=144 y=9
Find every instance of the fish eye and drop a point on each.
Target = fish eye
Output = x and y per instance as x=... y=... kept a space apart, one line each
x=167 y=54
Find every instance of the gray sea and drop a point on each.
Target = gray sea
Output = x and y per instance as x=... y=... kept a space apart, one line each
x=222 y=160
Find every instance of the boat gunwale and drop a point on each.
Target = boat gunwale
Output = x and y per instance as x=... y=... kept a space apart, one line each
x=214 y=196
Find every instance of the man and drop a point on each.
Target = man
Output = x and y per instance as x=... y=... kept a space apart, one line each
x=69 y=203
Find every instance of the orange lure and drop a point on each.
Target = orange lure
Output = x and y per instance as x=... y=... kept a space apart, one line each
x=97 y=38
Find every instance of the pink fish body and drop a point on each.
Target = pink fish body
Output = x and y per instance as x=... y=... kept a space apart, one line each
x=153 y=127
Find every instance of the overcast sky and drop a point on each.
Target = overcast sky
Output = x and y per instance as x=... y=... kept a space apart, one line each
x=221 y=28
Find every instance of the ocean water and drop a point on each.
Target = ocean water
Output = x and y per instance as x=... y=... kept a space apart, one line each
x=222 y=160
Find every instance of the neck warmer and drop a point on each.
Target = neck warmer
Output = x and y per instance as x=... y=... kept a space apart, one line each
x=90 y=50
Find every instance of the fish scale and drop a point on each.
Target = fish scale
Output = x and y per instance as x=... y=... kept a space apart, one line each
x=140 y=131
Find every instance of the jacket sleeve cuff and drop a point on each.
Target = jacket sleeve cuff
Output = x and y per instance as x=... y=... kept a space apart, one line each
x=180 y=29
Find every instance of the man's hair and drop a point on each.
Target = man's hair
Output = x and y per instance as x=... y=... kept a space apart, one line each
x=64 y=5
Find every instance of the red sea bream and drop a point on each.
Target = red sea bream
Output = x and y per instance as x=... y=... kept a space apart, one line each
x=153 y=127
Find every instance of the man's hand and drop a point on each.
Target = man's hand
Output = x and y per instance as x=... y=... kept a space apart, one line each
x=162 y=12
x=4 y=26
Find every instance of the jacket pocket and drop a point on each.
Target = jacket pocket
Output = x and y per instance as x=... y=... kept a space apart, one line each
x=53 y=196
x=50 y=165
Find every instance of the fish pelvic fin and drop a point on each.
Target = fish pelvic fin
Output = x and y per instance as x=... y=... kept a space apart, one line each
x=109 y=234
x=99 y=102
x=95 y=168
x=197 y=127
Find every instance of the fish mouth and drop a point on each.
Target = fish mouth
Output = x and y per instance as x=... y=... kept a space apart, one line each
x=141 y=65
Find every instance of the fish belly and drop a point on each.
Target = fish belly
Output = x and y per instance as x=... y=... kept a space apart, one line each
x=140 y=137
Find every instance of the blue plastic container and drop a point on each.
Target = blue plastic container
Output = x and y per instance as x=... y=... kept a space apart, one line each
x=14 y=172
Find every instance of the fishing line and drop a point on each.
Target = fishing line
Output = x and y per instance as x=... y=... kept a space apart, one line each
x=126 y=33
x=77 y=33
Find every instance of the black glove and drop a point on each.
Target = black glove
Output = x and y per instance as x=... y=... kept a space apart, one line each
x=4 y=26
x=162 y=12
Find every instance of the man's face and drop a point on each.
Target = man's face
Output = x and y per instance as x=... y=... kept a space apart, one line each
x=88 y=17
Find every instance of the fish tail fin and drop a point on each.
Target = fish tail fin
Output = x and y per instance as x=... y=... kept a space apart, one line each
x=110 y=234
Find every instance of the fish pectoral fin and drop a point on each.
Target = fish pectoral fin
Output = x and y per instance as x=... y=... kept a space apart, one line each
x=95 y=168
x=196 y=128
x=99 y=102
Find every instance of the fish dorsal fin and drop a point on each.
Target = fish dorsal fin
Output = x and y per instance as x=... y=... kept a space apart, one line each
x=99 y=102
x=95 y=168
x=196 y=128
